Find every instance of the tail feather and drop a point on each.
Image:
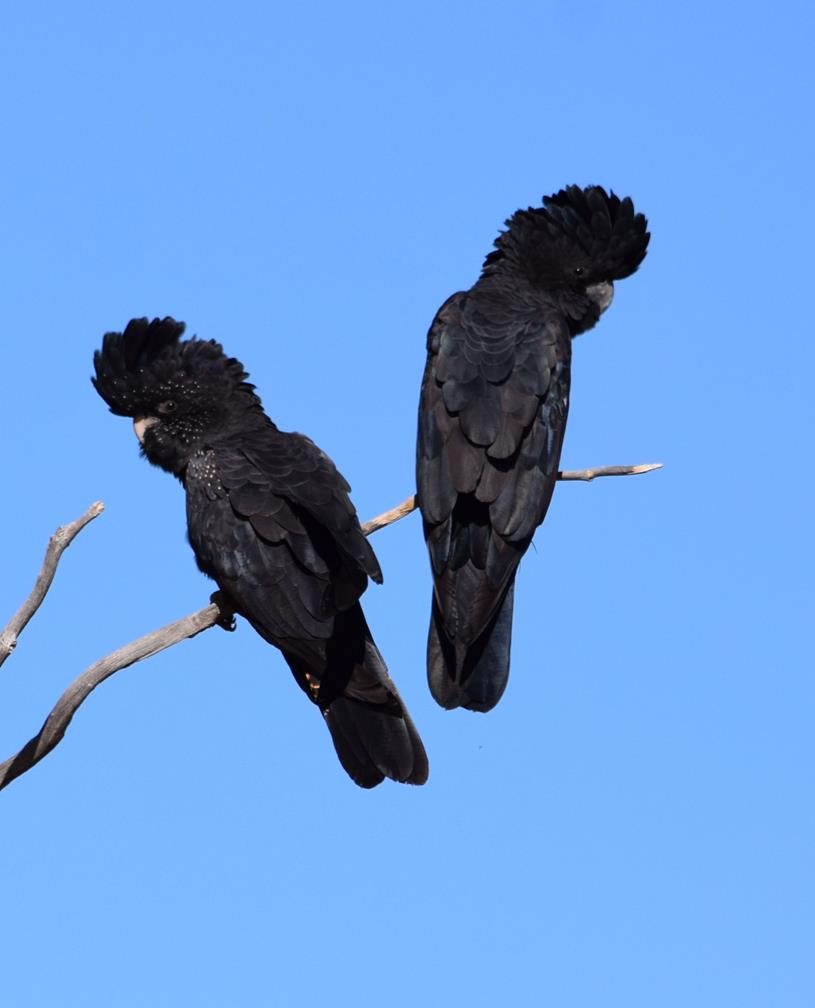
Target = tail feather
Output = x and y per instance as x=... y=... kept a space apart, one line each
x=375 y=740
x=346 y=734
x=474 y=677
x=372 y=731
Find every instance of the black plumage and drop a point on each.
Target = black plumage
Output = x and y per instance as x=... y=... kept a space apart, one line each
x=494 y=401
x=270 y=520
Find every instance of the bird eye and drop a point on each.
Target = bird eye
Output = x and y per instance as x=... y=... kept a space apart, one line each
x=168 y=406
x=579 y=271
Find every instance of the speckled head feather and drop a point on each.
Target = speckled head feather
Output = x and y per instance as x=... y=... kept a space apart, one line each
x=148 y=363
x=577 y=238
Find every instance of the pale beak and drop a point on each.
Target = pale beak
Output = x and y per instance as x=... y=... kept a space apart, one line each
x=140 y=425
x=602 y=294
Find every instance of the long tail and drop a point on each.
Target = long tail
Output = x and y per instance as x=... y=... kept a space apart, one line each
x=370 y=726
x=375 y=739
x=474 y=677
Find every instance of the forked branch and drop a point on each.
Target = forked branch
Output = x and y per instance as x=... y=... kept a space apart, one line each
x=215 y=613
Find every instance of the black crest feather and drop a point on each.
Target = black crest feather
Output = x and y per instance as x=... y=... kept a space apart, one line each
x=149 y=361
x=578 y=236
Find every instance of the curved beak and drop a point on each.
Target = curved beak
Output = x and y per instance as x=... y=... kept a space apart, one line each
x=140 y=425
x=602 y=294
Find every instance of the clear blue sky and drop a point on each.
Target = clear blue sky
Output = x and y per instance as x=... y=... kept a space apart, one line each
x=633 y=826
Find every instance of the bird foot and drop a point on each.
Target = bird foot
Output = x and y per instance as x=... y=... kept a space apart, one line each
x=226 y=619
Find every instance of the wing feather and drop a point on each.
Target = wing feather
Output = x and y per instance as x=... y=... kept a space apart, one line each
x=492 y=416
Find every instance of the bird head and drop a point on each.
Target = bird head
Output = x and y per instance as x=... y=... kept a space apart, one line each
x=574 y=247
x=180 y=393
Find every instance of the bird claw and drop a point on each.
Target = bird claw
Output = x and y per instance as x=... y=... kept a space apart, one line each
x=226 y=620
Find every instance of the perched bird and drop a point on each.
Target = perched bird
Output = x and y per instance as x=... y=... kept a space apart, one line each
x=270 y=520
x=492 y=413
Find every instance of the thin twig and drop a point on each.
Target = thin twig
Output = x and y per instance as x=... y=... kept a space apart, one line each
x=587 y=475
x=57 y=544
x=216 y=613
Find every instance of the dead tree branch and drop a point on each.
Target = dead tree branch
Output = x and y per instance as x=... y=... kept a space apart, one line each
x=159 y=640
x=60 y=717
x=57 y=544
x=587 y=475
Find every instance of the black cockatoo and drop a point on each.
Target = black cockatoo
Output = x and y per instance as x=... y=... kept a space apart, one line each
x=270 y=520
x=493 y=408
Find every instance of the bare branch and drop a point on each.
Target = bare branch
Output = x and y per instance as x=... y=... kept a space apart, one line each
x=389 y=517
x=57 y=544
x=587 y=475
x=60 y=717
x=216 y=613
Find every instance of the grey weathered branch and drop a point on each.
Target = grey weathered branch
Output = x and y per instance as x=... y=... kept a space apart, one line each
x=159 y=640
x=57 y=544
x=587 y=475
x=60 y=717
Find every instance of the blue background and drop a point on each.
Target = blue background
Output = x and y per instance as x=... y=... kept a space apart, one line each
x=633 y=825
